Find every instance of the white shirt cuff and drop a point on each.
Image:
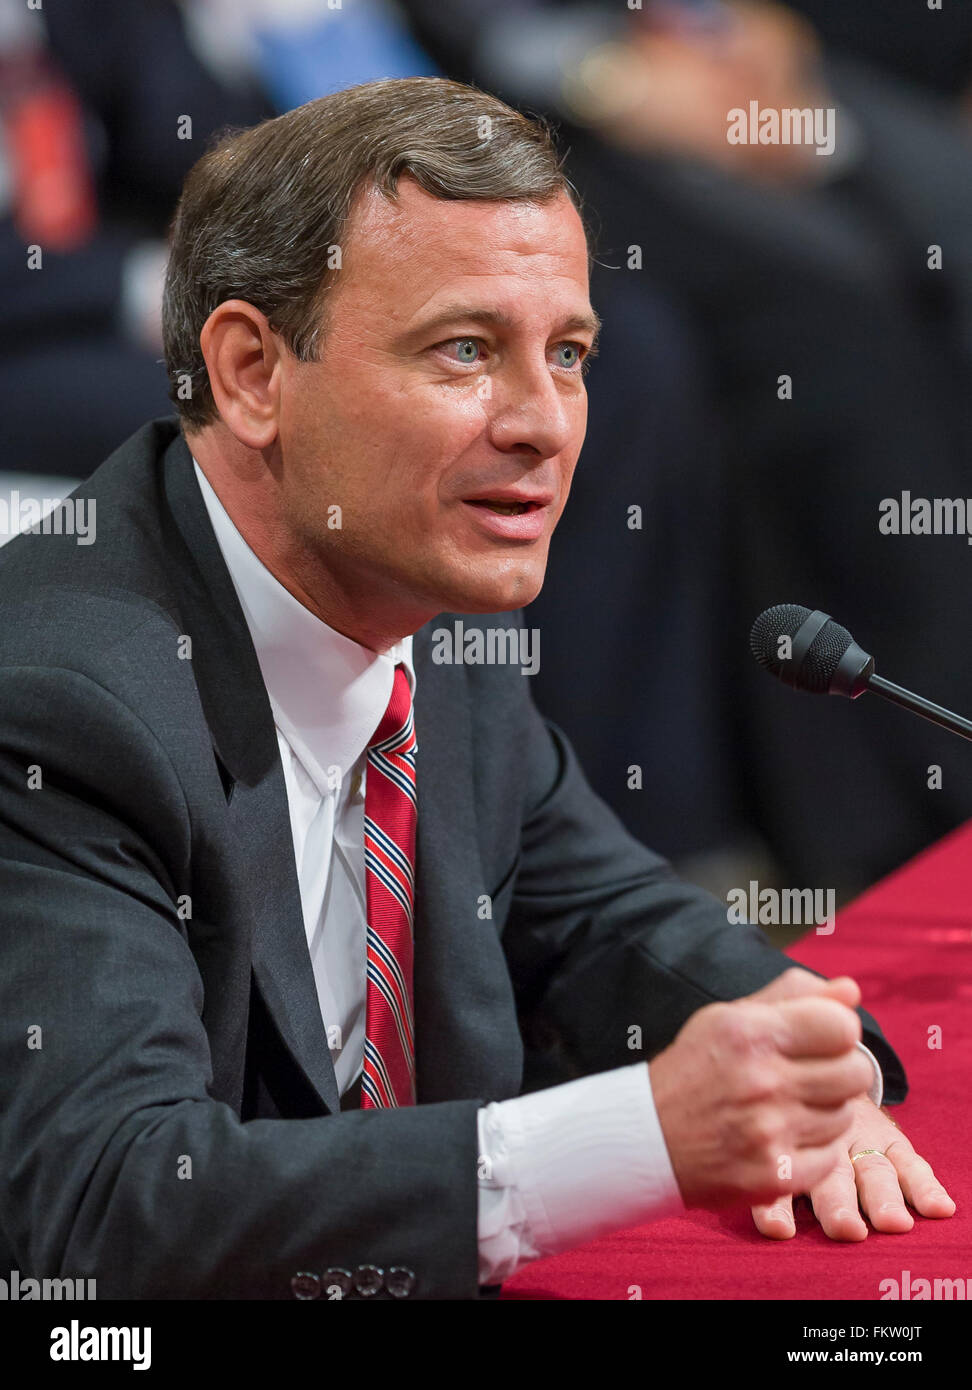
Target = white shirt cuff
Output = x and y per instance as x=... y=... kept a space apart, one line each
x=876 y=1093
x=562 y=1166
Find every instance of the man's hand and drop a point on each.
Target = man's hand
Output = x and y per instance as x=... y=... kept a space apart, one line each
x=880 y=1183
x=755 y=1097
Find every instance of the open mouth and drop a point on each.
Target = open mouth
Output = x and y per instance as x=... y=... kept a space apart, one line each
x=505 y=508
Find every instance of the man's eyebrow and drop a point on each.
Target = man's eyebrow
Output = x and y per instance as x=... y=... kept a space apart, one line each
x=495 y=318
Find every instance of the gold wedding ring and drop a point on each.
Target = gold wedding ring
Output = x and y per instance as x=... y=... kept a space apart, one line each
x=863 y=1152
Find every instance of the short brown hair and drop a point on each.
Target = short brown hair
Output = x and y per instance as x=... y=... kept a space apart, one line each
x=263 y=209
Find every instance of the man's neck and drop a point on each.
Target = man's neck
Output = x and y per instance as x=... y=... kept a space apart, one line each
x=245 y=484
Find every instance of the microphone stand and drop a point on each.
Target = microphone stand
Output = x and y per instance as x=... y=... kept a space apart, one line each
x=918 y=705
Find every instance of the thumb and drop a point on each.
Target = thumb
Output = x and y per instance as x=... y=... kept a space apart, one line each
x=797 y=983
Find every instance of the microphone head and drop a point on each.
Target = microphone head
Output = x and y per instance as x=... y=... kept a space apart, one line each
x=807 y=650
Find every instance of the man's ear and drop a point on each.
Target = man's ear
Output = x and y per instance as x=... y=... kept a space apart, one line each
x=243 y=358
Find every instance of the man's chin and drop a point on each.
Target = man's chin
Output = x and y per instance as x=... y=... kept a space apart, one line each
x=496 y=595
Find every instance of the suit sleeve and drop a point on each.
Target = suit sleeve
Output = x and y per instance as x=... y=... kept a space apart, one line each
x=119 y=1164
x=609 y=951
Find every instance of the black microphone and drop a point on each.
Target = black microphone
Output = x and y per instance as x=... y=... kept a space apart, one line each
x=808 y=651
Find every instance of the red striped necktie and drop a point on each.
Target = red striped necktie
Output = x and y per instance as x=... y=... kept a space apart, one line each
x=388 y=1077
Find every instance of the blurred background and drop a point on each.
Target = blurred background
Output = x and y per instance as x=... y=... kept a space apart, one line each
x=787 y=341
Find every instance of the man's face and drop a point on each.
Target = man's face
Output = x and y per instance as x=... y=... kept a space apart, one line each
x=450 y=377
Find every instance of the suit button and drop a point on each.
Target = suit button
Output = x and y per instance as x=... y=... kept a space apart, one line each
x=305 y=1285
x=400 y=1281
x=337 y=1283
x=368 y=1280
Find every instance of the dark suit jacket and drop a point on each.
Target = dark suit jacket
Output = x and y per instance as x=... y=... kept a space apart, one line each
x=152 y=932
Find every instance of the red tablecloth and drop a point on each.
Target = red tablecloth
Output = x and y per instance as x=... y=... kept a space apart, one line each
x=908 y=943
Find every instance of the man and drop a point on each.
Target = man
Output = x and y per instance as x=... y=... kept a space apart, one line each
x=281 y=948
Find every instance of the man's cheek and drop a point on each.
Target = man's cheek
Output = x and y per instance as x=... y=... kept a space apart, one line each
x=559 y=511
x=567 y=479
x=461 y=409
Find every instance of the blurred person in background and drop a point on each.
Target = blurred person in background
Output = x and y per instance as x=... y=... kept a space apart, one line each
x=790 y=268
x=95 y=145
x=105 y=106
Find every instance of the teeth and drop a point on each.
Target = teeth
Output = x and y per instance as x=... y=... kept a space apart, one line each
x=507 y=508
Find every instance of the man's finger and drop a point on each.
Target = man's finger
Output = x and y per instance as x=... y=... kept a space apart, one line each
x=834 y=1202
x=845 y=990
x=917 y=1180
x=816 y=1125
x=879 y=1193
x=816 y=1027
x=828 y=1081
x=811 y=1166
x=776 y=1219
x=797 y=983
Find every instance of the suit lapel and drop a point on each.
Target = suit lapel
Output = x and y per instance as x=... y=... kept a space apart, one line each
x=260 y=822
x=237 y=709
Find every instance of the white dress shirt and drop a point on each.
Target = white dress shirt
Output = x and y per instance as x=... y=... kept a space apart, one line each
x=556 y=1167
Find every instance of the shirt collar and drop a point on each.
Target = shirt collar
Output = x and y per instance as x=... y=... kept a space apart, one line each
x=328 y=693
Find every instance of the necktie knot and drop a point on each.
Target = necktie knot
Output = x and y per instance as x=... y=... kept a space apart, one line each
x=396 y=729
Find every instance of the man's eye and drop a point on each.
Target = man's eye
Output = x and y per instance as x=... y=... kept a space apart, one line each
x=568 y=355
x=466 y=350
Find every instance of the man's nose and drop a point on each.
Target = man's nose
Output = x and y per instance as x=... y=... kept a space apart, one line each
x=527 y=410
